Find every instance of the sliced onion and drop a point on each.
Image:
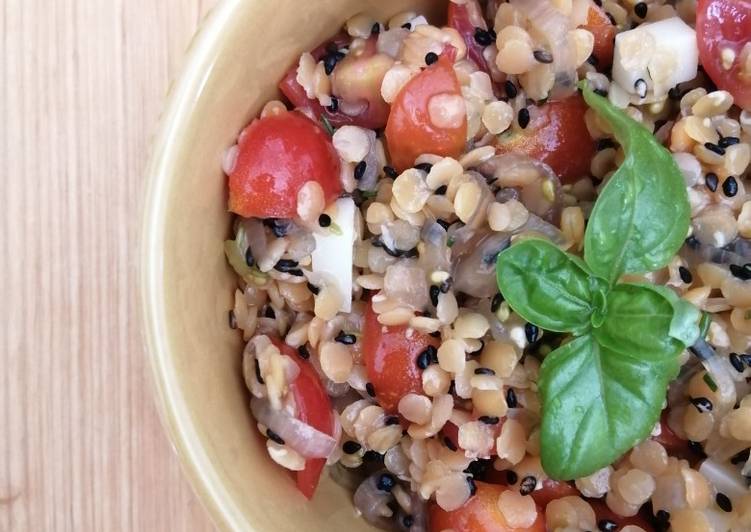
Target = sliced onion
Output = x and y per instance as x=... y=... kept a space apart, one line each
x=720 y=375
x=299 y=436
x=255 y=234
x=724 y=477
x=435 y=255
x=373 y=503
x=554 y=26
x=474 y=271
x=737 y=252
x=369 y=179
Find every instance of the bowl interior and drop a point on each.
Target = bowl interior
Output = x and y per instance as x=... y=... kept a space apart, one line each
x=234 y=63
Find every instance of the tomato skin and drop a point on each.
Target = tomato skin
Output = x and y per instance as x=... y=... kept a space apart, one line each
x=722 y=24
x=557 y=136
x=277 y=156
x=604 y=32
x=480 y=514
x=464 y=18
x=391 y=359
x=314 y=408
x=409 y=131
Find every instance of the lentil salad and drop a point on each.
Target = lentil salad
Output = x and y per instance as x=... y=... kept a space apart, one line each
x=416 y=218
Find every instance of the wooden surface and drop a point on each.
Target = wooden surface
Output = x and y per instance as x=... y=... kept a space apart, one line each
x=81 y=446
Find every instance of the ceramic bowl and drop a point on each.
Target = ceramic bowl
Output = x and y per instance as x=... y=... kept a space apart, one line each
x=232 y=68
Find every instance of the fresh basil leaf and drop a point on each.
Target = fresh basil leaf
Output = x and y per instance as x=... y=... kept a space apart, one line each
x=597 y=404
x=546 y=286
x=643 y=319
x=642 y=215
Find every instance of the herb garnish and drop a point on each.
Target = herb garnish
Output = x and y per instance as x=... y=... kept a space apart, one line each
x=603 y=390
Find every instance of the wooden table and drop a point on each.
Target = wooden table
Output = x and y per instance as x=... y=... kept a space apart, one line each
x=81 y=444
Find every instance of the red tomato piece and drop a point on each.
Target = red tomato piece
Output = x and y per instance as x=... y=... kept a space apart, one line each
x=480 y=514
x=603 y=512
x=723 y=29
x=410 y=132
x=314 y=408
x=278 y=155
x=466 y=19
x=373 y=116
x=391 y=359
x=600 y=25
x=674 y=445
x=553 y=489
x=557 y=135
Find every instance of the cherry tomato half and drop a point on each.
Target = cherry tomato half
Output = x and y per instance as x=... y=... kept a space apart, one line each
x=551 y=490
x=413 y=129
x=557 y=135
x=600 y=25
x=723 y=29
x=278 y=155
x=480 y=514
x=314 y=408
x=391 y=359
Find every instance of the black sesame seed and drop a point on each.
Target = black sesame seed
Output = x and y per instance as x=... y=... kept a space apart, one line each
x=434 y=291
x=448 y=443
x=601 y=92
x=389 y=171
x=440 y=191
x=425 y=167
x=482 y=37
x=511 y=477
x=741 y=272
x=489 y=420
x=603 y=144
x=641 y=9
x=641 y=87
x=286 y=265
x=531 y=331
x=702 y=404
x=277 y=226
x=528 y=485
x=391 y=420
x=360 y=170
x=351 y=447
x=472 y=486
x=543 y=56
x=740 y=457
x=736 y=362
x=370 y=389
x=495 y=304
x=333 y=107
x=446 y=285
x=376 y=29
x=346 y=339
x=685 y=274
x=423 y=360
x=329 y=63
x=313 y=289
x=662 y=516
x=249 y=260
x=258 y=373
x=510 y=88
x=303 y=352
x=723 y=501
x=324 y=220
x=696 y=448
x=269 y=313
x=408 y=521
x=484 y=371
x=431 y=58
x=407 y=26
x=386 y=482
x=728 y=141
x=711 y=181
x=606 y=525
x=273 y=436
x=714 y=148
x=693 y=242
x=511 y=400
x=233 y=320
x=730 y=186
x=523 y=117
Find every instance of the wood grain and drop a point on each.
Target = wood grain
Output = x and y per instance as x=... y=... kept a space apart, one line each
x=82 y=448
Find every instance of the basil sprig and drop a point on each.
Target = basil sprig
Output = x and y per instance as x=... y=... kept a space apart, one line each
x=603 y=390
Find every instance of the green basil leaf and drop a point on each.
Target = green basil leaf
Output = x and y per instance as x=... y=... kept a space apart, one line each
x=646 y=319
x=546 y=286
x=597 y=404
x=642 y=215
